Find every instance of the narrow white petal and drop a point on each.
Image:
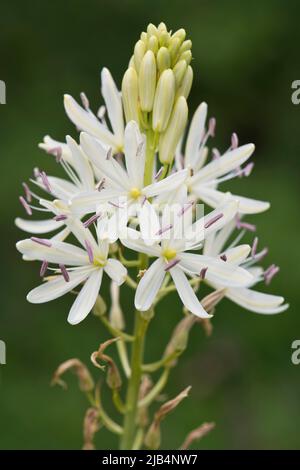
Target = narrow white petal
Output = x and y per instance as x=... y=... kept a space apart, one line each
x=237 y=254
x=58 y=252
x=88 y=201
x=221 y=272
x=113 y=102
x=134 y=147
x=57 y=287
x=251 y=206
x=149 y=223
x=257 y=301
x=195 y=135
x=149 y=285
x=81 y=164
x=132 y=240
x=115 y=270
x=38 y=226
x=186 y=293
x=215 y=243
x=88 y=122
x=170 y=183
x=86 y=298
x=224 y=164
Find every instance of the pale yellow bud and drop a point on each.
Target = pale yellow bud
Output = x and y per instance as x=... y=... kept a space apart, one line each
x=174 y=46
x=179 y=71
x=186 y=85
x=185 y=46
x=169 y=140
x=139 y=52
x=116 y=316
x=162 y=27
x=180 y=34
x=130 y=95
x=187 y=56
x=153 y=44
x=147 y=81
x=152 y=30
x=163 y=59
x=164 y=38
x=163 y=101
x=144 y=37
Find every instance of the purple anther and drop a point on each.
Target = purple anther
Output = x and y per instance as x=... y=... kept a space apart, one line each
x=245 y=225
x=27 y=191
x=57 y=152
x=109 y=153
x=234 y=141
x=91 y=220
x=223 y=257
x=100 y=185
x=172 y=264
x=185 y=208
x=212 y=126
x=64 y=272
x=248 y=169
x=254 y=247
x=25 y=205
x=84 y=100
x=140 y=148
x=41 y=241
x=259 y=256
x=60 y=217
x=89 y=250
x=36 y=172
x=203 y=272
x=270 y=273
x=45 y=181
x=143 y=200
x=157 y=176
x=114 y=204
x=164 y=229
x=44 y=268
x=213 y=220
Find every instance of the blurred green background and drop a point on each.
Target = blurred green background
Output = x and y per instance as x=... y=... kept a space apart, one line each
x=246 y=55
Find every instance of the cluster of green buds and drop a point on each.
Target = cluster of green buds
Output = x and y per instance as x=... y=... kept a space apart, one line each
x=156 y=85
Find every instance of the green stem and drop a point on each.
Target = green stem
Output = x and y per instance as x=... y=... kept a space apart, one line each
x=129 y=432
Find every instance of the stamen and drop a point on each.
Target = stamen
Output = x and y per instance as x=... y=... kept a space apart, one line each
x=44 y=268
x=203 y=272
x=89 y=250
x=156 y=177
x=57 y=152
x=234 y=141
x=215 y=154
x=60 y=217
x=45 y=181
x=246 y=171
x=36 y=172
x=140 y=148
x=41 y=241
x=114 y=204
x=25 y=205
x=109 y=153
x=143 y=200
x=100 y=185
x=164 y=229
x=185 y=208
x=245 y=225
x=84 y=100
x=213 y=220
x=27 y=191
x=64 y=272
x=223 y=257
x=172 y=264
x=91 y=220
x=101 y=112
x=270 y=273
x=254 y=247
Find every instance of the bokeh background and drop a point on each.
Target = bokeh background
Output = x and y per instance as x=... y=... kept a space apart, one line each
x=246 y=55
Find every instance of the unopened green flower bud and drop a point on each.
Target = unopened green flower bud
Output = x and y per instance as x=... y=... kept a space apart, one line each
x=170 y=138
x=139 y=52
x=187 y=56
x=100 y=307
x=163 y=101
x=116 y=316
x=147 y=81
x=186 y=84
x=164 y=38
x=179 y=71
x=153 y=44
x=130 y=95
x=163 y=59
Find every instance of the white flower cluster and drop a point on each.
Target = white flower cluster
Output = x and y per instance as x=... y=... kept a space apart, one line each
x=124 y=191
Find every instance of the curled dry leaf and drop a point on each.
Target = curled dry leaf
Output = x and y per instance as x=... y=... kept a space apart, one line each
x=197 y=434
x=113 y=375
x=90 y=426
x=85 y=380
